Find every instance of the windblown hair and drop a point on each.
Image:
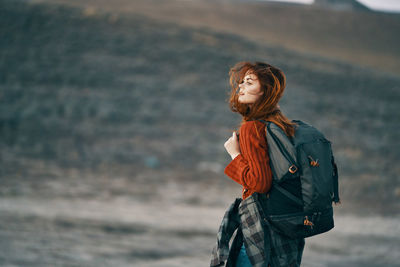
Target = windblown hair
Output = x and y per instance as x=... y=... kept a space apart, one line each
x=273 y=83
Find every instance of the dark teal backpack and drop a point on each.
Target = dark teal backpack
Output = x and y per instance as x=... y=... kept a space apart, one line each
x=305 y=182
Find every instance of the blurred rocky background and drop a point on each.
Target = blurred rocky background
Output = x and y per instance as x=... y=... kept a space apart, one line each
x=113 y=116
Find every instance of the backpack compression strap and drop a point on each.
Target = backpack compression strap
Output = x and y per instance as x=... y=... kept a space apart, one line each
x=287 y=194
x=336 y=198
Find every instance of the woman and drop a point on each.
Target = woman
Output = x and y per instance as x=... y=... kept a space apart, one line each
x=256 y=91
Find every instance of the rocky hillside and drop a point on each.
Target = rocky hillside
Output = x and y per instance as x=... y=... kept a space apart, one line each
x=89 y=90
x=342 y=4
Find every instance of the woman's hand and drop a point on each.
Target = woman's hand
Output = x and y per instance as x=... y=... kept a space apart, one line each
x=232 y=145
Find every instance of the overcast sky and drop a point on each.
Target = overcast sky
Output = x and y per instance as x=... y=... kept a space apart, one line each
x=384 y=5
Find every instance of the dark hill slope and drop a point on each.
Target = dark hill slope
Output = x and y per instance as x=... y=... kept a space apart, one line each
x=341 y=5
x=351 y=35
x=85 y=90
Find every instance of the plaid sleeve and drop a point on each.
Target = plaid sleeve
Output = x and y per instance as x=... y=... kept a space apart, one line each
x=230 y=222
x=285 y=251
x=264 y=245
x=253 y=232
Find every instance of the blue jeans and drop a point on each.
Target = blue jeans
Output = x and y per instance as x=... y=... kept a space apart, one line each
x=242 y=259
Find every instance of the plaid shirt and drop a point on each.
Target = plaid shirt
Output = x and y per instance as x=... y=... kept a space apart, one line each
x=264 y=246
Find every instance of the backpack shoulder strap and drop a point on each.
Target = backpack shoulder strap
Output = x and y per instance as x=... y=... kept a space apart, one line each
x=281 y=147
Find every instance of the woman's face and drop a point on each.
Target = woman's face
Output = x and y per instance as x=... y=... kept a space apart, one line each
x=250 y=89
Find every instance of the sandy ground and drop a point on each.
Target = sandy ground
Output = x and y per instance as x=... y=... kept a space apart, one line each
x=122 y=231
x=88 y=219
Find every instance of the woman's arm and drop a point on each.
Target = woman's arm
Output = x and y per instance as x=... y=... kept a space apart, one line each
x=251 y=168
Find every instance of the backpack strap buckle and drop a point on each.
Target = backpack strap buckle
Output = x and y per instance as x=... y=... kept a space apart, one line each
x=292 y=169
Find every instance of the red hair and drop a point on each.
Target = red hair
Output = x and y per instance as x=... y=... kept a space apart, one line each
x=273 y=83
